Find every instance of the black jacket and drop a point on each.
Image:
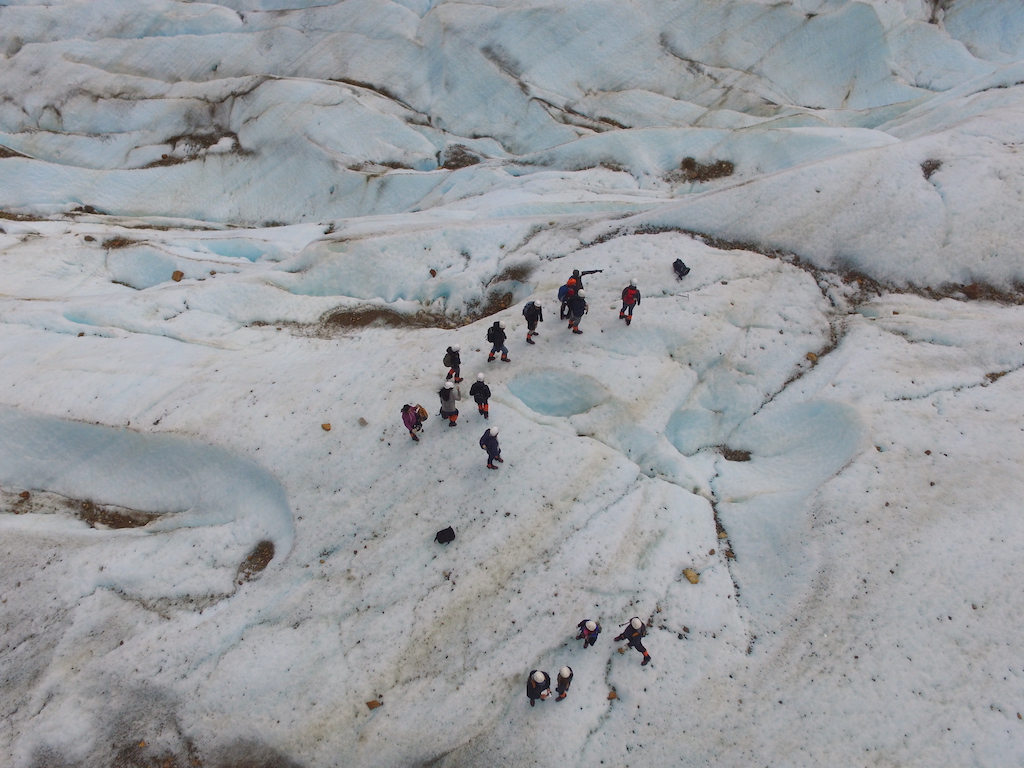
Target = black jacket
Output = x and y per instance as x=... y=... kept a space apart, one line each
x=533 y=313
x=577 y=306
x=496 y=335
x=480 y=392
x=489 y=443
x=535 y=689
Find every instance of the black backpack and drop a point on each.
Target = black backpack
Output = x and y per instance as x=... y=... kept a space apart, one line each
x=490 y=334
x=445 y=536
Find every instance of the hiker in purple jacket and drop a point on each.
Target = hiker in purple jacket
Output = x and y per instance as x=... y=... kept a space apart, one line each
x=411 y=420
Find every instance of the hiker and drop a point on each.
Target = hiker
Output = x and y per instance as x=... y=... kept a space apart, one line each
x=577 y=308
x=449 y=395
x=564 y=680
x=630 y=298
x=412 y=420
x=572 y=285
x=454 y=362
x=496 y=335
x=481 y=393
x=489 y=442
x=533 y=314
x=538 y=686
x=578 y=276
x=589 y=630
x=633 y=632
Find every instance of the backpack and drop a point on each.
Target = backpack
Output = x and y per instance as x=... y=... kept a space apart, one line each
x=527 y=308
x=631 y=294
x=563 y=293
x=490 y=334
x=681 y=269
x=445 y=536
x=447 y=359
x=421 y=412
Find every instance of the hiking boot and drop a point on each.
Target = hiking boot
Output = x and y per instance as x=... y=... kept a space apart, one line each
x=506 y=359
x=458 y=380
x=499 y=459
x=491 y=466
x=452 y=424
x=533 y=702
x=415 y=438
x=486 y=416
x=629 y=320
x=576 y=330
x=530 y=341
x=646 y=661
x=561 y=696
x=490 y=358
x=622 y=315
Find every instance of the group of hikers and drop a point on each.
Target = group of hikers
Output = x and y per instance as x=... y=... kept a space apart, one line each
x=574 y=306
x=538 y=684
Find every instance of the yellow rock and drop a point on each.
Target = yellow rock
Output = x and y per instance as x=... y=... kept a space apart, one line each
x=812 y=357
x=691 y=575
x=612 y=695
x=178 y=274
x=374 y=704
x=326 y=427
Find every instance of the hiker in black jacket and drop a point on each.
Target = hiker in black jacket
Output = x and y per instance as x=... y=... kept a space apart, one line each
x=453 y=360
x=633 y=632
x=489 y=442
x=533 y=314
x=589 y=630
x=496 y=335
x=577 y=308
x=538 y=686
x=481 y=393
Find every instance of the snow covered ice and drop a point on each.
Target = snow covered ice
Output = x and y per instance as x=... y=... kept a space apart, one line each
x=227 y=226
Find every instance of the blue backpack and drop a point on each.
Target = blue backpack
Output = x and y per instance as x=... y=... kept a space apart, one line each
x=563 y=293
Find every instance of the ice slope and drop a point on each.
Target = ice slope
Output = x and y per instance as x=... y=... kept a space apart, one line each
x=837 y=457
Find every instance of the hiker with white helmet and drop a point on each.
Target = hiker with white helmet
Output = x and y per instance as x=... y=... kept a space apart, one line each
x=496 y=336
x=481 y=393
x=450 y=395
x=577 y=308
x=630 y=298
x=564 y=680
x=538 y=686
x=633 y=632
x=533 y=314
x=589 y=630
x=489 y=442
x=453 y=360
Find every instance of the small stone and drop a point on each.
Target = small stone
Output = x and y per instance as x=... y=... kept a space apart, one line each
x=89 y=239
x=433 y=273
x=325 y=427
x=81 y=334
x=927 y=453
x=723 y=535
x=613 y=695
x=142 y=744
x=730 y=554
x=686 y=629
x=622 y=650
x=691 y=575
x=24 y=494
x=213 y=271
x=374 y=704
x=812 y=357
x=178 y=274
x=363 y=422
x=711 y=551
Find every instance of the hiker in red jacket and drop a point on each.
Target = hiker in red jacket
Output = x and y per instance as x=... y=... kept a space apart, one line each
x=630 y=298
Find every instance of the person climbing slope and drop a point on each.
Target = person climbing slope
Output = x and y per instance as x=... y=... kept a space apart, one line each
x=533 y=314
x=481 y=393
x=538 y=686
x=450 y=395
x=634 y=631
x=496 y=336
x=630 y=298
x=489 y=442
x=453 y=360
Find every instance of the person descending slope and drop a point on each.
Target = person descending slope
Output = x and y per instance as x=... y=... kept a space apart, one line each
x=481 y=393
x=496 y=336
x=489 y=442
x=633 y=632
x=412 y=420
x=577 y=308
x=630 y=298
x=538 y=686
x=453 y=360
x=589 y=630
x=533 y=314
x=450 y=395
x=564 y=681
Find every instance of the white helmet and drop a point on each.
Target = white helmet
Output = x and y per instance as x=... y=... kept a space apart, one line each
x=501 y=323
x=564 y=672
x=480 y=377
x=448 y=385
x=456 y=347
x=493 y=430
x=591 y=626
x=633 y=282
x=536 y=304
x=538 y=676
x=581 y=293
x=635 y=623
